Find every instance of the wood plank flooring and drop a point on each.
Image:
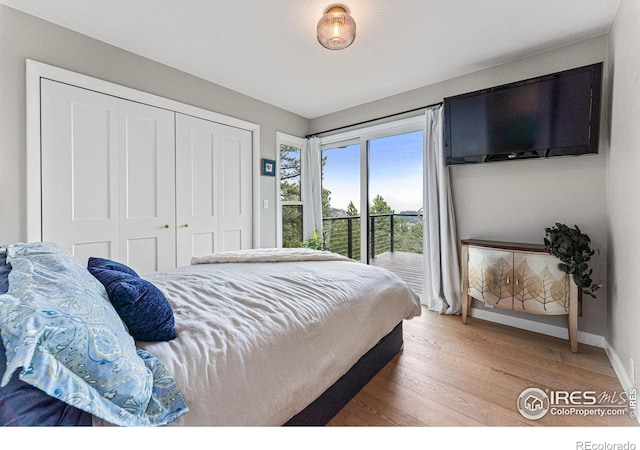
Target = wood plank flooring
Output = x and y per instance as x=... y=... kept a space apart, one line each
x=450 y=374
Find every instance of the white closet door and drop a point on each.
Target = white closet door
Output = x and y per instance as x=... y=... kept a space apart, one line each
x=147 y=187
x=79 y=170
x=213 y=188
x=235 y=225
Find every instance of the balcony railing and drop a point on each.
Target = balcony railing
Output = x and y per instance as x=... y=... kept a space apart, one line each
x=387 y=233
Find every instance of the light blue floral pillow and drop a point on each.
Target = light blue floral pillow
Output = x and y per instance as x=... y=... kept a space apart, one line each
x=58 y=325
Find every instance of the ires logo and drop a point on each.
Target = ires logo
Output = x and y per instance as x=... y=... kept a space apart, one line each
x=574 y=398
x=534 y=403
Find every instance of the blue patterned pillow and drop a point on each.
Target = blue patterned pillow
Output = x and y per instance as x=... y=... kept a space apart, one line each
x=142 y=306
x=24 y=405
x=59 y=327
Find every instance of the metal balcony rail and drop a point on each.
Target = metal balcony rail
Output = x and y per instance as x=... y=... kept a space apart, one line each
x=342 y=234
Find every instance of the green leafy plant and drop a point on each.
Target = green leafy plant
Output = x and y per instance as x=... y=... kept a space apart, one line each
x=573 y=248
x=315 y=242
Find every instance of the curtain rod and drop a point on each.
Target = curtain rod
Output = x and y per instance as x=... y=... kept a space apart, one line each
x=373 y=120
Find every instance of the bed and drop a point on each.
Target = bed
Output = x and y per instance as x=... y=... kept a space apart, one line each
x=262 y=338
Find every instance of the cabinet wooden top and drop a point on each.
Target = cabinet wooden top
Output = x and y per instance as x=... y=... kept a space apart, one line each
x=514 y=246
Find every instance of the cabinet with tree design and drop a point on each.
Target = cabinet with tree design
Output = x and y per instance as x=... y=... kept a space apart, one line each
x=518 y=277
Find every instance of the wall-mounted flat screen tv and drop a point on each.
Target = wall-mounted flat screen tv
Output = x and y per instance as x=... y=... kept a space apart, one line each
x=551 y=115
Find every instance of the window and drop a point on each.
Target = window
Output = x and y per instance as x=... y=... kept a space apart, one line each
x=290 y=197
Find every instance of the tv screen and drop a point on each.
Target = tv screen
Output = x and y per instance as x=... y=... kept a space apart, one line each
x=551 y=115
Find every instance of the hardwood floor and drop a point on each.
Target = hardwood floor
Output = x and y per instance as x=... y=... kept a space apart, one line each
x=450 y=374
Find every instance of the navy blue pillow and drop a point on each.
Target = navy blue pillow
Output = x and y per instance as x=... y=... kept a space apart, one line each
x=142 y=307
x=4 y=275
x=24 y=405
x=101 y=263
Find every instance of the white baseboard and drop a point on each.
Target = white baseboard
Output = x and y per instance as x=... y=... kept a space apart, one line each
x=621 y=373
x=538 y=327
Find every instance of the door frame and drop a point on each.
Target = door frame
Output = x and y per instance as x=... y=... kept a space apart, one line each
x=36 y=70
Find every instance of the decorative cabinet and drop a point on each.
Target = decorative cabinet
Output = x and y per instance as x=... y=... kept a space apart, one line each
x=518 y=277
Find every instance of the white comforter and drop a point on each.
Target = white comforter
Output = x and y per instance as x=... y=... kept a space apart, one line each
x=258 y=341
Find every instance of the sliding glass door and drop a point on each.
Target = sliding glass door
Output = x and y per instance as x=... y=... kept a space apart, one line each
x=373 y=187
x=395 y=199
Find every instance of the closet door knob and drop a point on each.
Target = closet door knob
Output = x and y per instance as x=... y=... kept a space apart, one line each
x=166 y=226
x=186 y=225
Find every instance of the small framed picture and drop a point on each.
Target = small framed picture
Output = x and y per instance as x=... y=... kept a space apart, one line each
x=269 y=167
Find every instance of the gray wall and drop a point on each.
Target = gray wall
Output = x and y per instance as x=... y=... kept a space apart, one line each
x=517 y=200
x=23 y=36
x=623 y=186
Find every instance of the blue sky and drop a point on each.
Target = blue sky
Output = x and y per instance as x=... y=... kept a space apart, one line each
x=395 y=172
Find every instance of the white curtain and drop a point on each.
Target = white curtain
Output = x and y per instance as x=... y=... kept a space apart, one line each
x=312 y=189
x=442 y=274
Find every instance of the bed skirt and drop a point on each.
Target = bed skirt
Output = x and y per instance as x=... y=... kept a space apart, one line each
x=325 y=407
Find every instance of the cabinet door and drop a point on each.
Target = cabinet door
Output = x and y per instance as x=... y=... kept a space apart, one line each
x=147 y=187
x=213 y=188
x=541 y=288
x=80 y=170
x=491 y=276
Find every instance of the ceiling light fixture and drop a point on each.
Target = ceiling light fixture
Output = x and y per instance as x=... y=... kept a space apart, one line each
x=336 y=28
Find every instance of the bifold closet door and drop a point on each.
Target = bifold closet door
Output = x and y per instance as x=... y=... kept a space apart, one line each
x=108 y=177
x=146 y=170
x=79 y=162
x=213 y=188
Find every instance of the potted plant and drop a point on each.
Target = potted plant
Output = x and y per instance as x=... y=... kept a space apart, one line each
x=573 y=248
x=315 y=243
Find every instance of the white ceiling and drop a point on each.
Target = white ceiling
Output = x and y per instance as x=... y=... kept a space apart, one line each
x=267 y=49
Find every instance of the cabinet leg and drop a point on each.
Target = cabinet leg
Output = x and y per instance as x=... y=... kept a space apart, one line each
x=573 y=319
x=465 y=307
x=573 y=332
x=464 y=285
x=573 y=335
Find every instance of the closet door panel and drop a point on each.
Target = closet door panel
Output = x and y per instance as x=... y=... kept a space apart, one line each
x=197 y=175
x=236 y=194
x=202 y=244
x=79 y=170
x=83 y=251
x=144 y=254
x=147 y=180
x=203 y=174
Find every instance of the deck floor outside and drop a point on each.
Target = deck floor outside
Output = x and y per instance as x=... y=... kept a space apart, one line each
x=408 y=266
